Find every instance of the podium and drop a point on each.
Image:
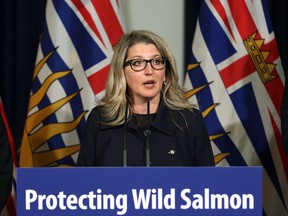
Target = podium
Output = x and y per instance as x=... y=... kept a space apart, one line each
x=140 y=191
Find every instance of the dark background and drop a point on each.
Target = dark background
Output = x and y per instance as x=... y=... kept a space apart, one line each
x=21 y=26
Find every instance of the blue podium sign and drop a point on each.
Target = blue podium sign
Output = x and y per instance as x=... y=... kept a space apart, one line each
x=140 y=191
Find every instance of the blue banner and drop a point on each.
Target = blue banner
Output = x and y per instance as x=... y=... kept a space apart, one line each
x=140 y=191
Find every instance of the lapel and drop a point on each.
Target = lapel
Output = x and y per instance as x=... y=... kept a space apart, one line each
x=164 y=118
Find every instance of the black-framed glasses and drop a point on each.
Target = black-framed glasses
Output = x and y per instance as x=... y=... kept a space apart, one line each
x=141 y=64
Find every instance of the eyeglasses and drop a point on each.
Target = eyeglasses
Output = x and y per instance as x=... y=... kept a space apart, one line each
x=141 y=64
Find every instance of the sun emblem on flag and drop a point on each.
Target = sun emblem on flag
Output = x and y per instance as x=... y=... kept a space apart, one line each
x=37 y=134
x=188 y=94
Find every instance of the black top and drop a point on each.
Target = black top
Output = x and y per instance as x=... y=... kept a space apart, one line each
x=169 y=145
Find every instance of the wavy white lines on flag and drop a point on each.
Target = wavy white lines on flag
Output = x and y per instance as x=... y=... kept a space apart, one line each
x=205 y=98
x=57 y=62
x=271 y=199
x=61 y=88
x=93 y=53
x=71 y=69
x=89 y=56
x=249 y=105
x=222 y=59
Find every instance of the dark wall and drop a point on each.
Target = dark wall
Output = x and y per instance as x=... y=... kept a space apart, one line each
x=21 y=24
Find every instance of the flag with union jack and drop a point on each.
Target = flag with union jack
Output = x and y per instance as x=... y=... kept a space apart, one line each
x=71 y=69
x=236 y=78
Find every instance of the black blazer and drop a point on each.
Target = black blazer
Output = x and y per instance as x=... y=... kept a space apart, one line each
x=169 y=145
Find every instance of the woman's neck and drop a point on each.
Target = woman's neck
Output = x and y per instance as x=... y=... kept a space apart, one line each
x=141 y=108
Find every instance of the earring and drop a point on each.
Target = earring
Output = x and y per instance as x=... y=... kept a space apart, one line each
x=164 y=83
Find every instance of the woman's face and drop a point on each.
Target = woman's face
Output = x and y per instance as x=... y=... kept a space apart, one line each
x=146 y=84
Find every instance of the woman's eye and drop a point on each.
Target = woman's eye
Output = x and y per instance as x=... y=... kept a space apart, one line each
x=136 y=62
x=157 y=61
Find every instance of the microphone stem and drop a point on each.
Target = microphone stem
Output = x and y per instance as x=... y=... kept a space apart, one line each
x=147 y=148
x=124 y=138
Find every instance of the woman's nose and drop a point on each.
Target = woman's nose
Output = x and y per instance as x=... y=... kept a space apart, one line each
x=149 y=69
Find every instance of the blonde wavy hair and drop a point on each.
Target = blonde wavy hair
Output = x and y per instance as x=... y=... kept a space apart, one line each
x=113 y=104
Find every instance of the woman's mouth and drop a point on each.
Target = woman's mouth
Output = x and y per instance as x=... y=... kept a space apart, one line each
x=149 y=83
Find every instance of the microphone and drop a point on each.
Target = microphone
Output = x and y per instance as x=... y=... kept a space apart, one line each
x=124 y=137
x=147 y=134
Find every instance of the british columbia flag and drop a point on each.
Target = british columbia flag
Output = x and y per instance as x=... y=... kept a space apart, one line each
x=236 y=78
x=70 y=73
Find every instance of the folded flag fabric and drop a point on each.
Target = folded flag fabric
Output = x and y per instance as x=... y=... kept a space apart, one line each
x=236 y=77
